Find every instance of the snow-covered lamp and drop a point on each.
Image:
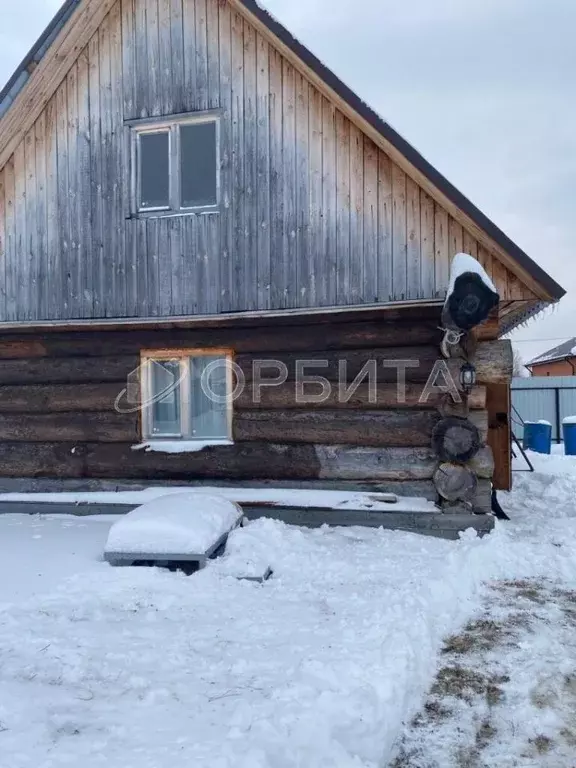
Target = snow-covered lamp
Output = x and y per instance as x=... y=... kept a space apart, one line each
x=467 y=377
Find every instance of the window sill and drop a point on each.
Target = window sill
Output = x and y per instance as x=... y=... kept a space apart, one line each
x=174 y=214
x=179 y=446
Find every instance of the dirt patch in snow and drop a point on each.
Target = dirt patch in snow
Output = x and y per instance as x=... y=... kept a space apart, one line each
x=505 y=694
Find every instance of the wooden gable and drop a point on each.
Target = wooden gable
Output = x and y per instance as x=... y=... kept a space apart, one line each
x=317 y=210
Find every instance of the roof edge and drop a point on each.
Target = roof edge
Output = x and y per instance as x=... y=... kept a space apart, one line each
x=23 y=71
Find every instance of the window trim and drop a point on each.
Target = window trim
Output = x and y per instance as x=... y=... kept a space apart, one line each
x=182 y=354
x=172 y=126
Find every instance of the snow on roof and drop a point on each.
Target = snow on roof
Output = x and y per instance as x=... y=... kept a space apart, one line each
x=462 y=263
x=566 y=349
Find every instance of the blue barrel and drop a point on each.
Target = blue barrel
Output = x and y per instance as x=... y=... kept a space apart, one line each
x=538 y=437
x=569 y=431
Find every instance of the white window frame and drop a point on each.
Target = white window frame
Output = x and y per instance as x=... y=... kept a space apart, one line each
x=171 y=126
x=147 y=393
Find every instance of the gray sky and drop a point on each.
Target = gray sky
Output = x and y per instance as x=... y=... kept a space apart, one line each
x=485 y=89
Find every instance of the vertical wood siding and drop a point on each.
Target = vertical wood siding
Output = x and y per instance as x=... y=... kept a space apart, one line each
x=312 y=213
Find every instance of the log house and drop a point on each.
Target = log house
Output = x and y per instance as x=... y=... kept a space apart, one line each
x=181 y=183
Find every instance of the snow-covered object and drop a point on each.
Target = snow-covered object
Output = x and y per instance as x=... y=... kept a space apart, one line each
x=179 y=446
x=569 y=420
x=543 y=421
x=462 y=263
x=573 y=351
x=286 y=497
x=182 y=523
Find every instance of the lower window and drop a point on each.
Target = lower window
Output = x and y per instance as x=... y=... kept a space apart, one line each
x=186 y=395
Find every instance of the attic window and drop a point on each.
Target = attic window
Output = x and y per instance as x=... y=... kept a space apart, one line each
x=175 y=165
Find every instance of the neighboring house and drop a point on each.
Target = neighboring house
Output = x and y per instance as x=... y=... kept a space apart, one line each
x=182 y=182
x=559 y=361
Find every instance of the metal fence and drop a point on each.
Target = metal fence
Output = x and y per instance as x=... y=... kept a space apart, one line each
x=543 y=397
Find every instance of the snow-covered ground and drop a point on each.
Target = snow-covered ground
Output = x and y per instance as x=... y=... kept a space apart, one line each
x=319 y=667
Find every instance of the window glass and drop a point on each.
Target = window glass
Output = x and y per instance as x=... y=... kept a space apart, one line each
x=154 y=170
x=208 y=407
x=165 y=408
x=198 y=165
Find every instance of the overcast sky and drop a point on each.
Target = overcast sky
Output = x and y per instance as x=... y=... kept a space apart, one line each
x=485 y=89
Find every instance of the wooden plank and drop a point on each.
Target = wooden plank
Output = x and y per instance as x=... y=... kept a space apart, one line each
x=190 y=267
x=30 y=264
x=238 y=252
x=263 y=172
x=164 y=267
x=213 y=53
x=176 y=261
x=152 y=267
x=328 y=275
x=11 y=254
x=370 y=247
x=499 y=434
x=68 y=370
x=455 y=238
x=119 y=179
x=21 y=250
x=469 y=244
x=177 y=55
x=201 y=102
x=72 y=254
x=152 y=71
x=95 y=268
x=52 y=286
x=288 y=191
x=315 y=186
x=82 y=271
x=399 y=243
x=277 y=298
x=40 y=308
x=141 y=83
x=190 y=64
x=201 y=263
x=413 y=253
x=385 y=280
x=303 y=262
x=343 y=208
x=165 y=57
x=107 y=275
x=442 y=251
x=129 y=58
x=250 y=186
x=102 y=426
x=226 y=218
x=356 y=215
x=427 y=251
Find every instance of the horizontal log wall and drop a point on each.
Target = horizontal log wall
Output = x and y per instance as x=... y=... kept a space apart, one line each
x=57 y=416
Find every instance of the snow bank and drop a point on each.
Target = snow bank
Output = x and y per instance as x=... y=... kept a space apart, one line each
x=181 y=523
x=319 y=666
